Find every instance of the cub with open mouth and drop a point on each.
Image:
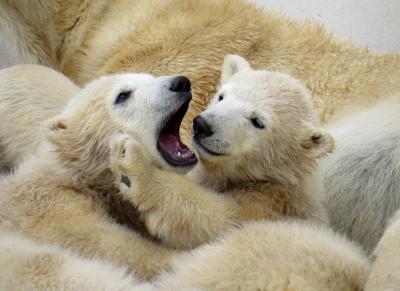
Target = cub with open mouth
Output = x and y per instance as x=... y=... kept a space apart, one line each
x=60 y=195
x=156 y=123
x=258 y=142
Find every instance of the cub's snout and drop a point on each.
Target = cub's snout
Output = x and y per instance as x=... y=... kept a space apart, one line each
x=201 y=128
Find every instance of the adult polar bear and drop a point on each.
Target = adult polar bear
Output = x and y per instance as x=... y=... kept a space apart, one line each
x=85 y=39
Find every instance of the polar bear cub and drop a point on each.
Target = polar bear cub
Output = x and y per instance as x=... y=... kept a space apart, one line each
x=258 y=143
x=56 y=195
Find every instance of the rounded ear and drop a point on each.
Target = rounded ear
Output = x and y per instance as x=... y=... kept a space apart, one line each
x=55 y=127
x=233 y=64
x=317 y=142
x=56 y=123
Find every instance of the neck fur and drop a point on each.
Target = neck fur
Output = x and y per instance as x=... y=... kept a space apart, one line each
x=220 y=177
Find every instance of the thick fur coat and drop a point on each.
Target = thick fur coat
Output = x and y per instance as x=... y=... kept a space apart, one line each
x=56 y=232
x=30 y=94
x=385 y=274
x=85 y=39
x=56 y=195
x=257 y=162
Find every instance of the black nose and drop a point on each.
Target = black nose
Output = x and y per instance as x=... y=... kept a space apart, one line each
x=201 y=127
x=180 y=84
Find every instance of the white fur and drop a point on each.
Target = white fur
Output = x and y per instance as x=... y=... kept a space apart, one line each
x=385 y=272
x=46 y=181
x=29 y=94
x=272 y=256
x=32 y=94
x=280 y=103
x=23 y=29
x=28 y=265
x=266 y=173
x=362 y=178
x=149 y=101
x=17 y=51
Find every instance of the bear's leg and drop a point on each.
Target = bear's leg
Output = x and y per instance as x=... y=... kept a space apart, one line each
x=179 y=212
x=28 y=265
x=85 y=228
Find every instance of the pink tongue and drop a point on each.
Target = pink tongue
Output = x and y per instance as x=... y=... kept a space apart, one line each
x=176 y=149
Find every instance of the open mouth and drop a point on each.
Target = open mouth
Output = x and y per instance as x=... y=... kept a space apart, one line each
x=169 y=142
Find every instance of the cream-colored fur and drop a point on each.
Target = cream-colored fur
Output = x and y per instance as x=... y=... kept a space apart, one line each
x=250 y=258
x=385 y=272
x=29 y=94
x=29 y=265
x=57 y=195
x=263 y=173
x=272 y=256
x=30 y=21
x=53 y=198
x=85 y=39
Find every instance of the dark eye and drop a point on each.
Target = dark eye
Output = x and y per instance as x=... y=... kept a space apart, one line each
x=257 y=123
x=221 y=97
x=123 y=97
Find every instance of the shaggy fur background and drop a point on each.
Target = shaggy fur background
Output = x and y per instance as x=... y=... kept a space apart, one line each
x=371 y=23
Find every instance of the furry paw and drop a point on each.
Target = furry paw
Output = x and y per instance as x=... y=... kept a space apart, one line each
x=128 y=160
